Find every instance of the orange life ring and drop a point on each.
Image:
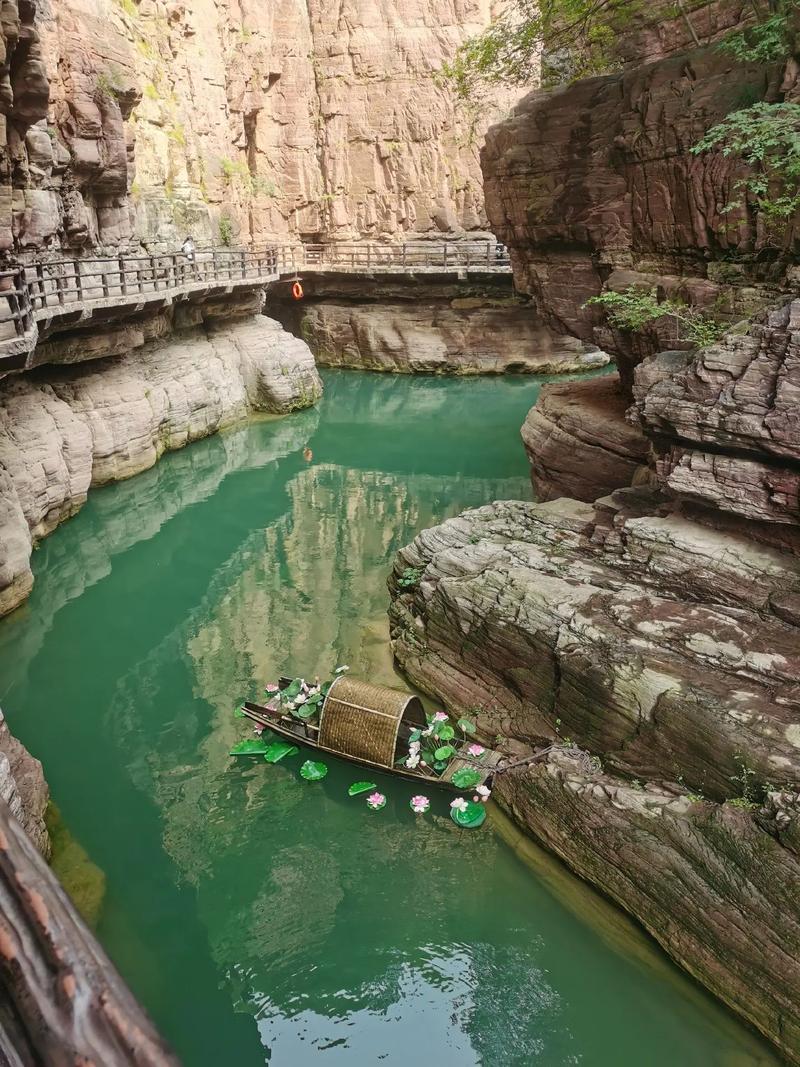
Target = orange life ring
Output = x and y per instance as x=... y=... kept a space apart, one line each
x=297 y=291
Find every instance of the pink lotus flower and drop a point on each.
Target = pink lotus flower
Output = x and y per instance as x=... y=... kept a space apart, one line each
x=258 y=728
x=484 y=792
x=272 y=705
x=460 y=804
x=376 y=801
x=440 y=716
x=476 y=750
x=420 y=804
x=271 y=688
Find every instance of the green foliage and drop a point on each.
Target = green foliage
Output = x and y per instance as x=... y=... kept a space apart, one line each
x=360 y=787
x=466 y=778
x=110 y=83
x=253 y=746
x=466 y=726
x=569 y=38
x=312 y=771
x=226 y=230
x=766 y=42
x=767 y=138
x=278 y=750
x=471 y=818
x=634 y=309
x=128 y=6
x=150 y=91
x=177 y=134
x=410 y=577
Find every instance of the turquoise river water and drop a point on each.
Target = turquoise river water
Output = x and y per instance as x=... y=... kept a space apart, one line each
x=261 y=918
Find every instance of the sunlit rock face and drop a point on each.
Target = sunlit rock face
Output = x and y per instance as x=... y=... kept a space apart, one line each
x=237 y=120
x=88 y=425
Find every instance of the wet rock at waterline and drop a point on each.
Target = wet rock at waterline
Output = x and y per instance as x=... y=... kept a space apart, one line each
x=461 y=337
x=651 y=641
x=717 y=888
x=63 y=431
x=23 y=787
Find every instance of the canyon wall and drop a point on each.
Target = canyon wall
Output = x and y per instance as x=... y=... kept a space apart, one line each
x=645 y=618
x=236 y=121
x=73 y=427
x=430 y=325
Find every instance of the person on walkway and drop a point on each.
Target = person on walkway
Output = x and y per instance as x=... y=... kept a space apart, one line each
x=188 y=248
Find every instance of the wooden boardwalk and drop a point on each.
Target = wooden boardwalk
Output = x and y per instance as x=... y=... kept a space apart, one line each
x=50 y=295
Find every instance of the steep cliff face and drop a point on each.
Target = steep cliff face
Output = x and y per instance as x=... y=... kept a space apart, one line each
x=596 y=185
x=88 y=425
x=652 y=629
x=238 y=119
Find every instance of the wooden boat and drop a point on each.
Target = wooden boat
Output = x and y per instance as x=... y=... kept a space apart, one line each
x=371 y=725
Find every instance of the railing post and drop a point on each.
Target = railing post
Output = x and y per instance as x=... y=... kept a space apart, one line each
x=78 y=279
x=40 y=283
x=153 y=272
x=104 y=276
x=444 y=256
x=488 y=253
x=60 y=288
x=123 y=283
x=244 y=264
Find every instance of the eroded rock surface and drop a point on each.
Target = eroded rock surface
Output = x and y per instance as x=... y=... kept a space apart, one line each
x=578 y=441
x=65 y=430
x=427 y=338
x=146 y=119
x=23 y=787
x=652 y=642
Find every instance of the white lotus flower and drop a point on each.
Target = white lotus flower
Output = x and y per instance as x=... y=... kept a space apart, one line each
x=483 y=791
x=301 y=698
x=460 y=804
x=413 y=746
x=412 y=761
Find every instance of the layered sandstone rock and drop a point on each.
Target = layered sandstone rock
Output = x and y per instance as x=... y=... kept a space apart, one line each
x=652 y=642
x=579 y=443
x=659 y=630
x=65 y=430
x=596 y=185
x=235 y=120
x=428 y=338
x=23 y=788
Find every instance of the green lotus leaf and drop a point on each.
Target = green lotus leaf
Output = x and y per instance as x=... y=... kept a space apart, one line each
x=253 y=746
x=445 y=731
x=238 y=713
x=305 y=711
x=325 y=688
x=466 y=778
x=292 y=689
x=465 y=726
x=440 y=765
x=360 y=787
x=445 y=752
x=415 y=736
x=470 y=819
x=312 y=772
x=278 y=749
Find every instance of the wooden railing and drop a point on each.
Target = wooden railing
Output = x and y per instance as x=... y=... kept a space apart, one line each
x=48 y=291
x=447 y=256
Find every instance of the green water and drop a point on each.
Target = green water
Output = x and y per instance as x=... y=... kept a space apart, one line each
x=261 y=918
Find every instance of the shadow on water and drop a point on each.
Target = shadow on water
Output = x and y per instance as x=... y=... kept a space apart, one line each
x=265 y=919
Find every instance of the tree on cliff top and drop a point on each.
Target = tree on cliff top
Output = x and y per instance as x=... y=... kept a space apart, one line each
x=560 y=39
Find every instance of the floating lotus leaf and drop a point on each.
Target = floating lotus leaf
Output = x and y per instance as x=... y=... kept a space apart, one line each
x=465 y=726
x=471 y=818
x=466 y=778
x=360 y=787
x=445 y=731
x=312 y=772
x=254 y=746
x=278 y=749
x=445 y=752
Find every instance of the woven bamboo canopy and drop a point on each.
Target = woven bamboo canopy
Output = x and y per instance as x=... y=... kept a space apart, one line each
x=362 y=721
